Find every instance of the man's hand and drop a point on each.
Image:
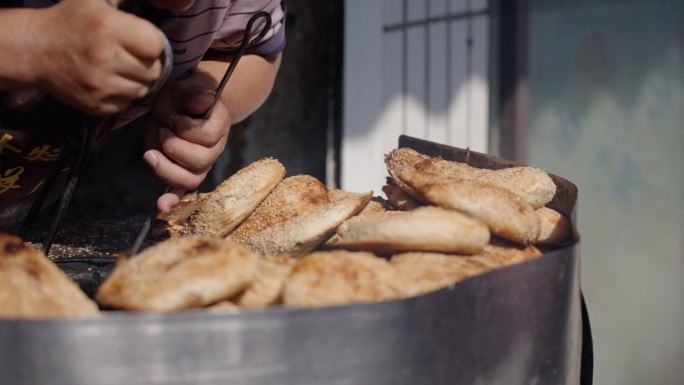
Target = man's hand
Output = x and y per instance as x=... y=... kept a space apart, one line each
x=92 y=56
x=183 y=146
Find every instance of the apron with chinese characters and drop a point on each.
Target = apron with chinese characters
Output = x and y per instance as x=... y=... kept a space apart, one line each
x=32 y=133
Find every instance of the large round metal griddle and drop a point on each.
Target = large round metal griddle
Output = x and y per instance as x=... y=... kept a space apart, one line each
x=517 y=325
x=520 y=324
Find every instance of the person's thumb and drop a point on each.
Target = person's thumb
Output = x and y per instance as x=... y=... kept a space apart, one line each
x=192 y=100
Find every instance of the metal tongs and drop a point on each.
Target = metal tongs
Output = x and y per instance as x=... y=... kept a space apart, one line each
x=75 y=151
x=244 y=46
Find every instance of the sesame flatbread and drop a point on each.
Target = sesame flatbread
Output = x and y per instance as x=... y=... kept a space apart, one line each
x=304 y=233
x=400 y=199
x=179 y=273
x=400 y=160
x=375 y=210
x=294 y=196
x=32 y=286
x=427 y=228
x=433 y=271
x=500 y=252
x=342 y=277
x=506 y=214
x=222 y=210
x=174 y=220
x=531 y=184
x=267 y=287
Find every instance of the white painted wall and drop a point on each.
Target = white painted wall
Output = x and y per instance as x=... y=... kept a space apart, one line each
x=424 y=80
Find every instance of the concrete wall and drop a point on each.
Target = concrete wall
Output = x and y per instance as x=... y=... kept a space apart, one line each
x=607 y=112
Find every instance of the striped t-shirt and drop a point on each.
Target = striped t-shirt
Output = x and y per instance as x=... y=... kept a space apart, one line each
x=206 y=25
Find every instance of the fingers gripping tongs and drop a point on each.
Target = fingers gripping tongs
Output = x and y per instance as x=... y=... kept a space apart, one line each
x=76 y=148
x=247 y=43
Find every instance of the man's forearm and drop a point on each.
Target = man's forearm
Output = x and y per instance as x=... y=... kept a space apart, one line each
x=249 y=85
x=15 y=50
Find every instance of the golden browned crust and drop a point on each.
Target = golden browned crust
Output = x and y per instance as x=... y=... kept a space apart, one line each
x=222 y=210
x=294 y=196
x=32 y=286
x=375 y=210
x=458 y=170
x=400 y=199
x=175 y=219
x=336 y=195
x=340 y=277
x=267 y=287
x=531 y=184
x=304 y=233
x=400 y=160
x=500 y=252
x=426 y=228
x=506 y=214
x=432 y=271
x=555 y=228
x=179 y=273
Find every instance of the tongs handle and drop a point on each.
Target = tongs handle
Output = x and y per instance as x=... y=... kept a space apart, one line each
x=244 y=46
x=80 y=146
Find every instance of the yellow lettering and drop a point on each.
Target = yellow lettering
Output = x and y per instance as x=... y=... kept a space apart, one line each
x=5 y=144
x=43 y=153
x=9 y=179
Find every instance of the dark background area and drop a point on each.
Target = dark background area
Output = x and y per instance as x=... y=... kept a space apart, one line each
x=294 y=125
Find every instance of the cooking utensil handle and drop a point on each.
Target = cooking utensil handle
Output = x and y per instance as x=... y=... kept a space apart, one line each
x=244 y=46
x=82 y=147
x=142 y=235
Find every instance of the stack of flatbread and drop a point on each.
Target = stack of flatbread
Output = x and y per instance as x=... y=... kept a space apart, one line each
x=262 y=238
x=288 y=240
